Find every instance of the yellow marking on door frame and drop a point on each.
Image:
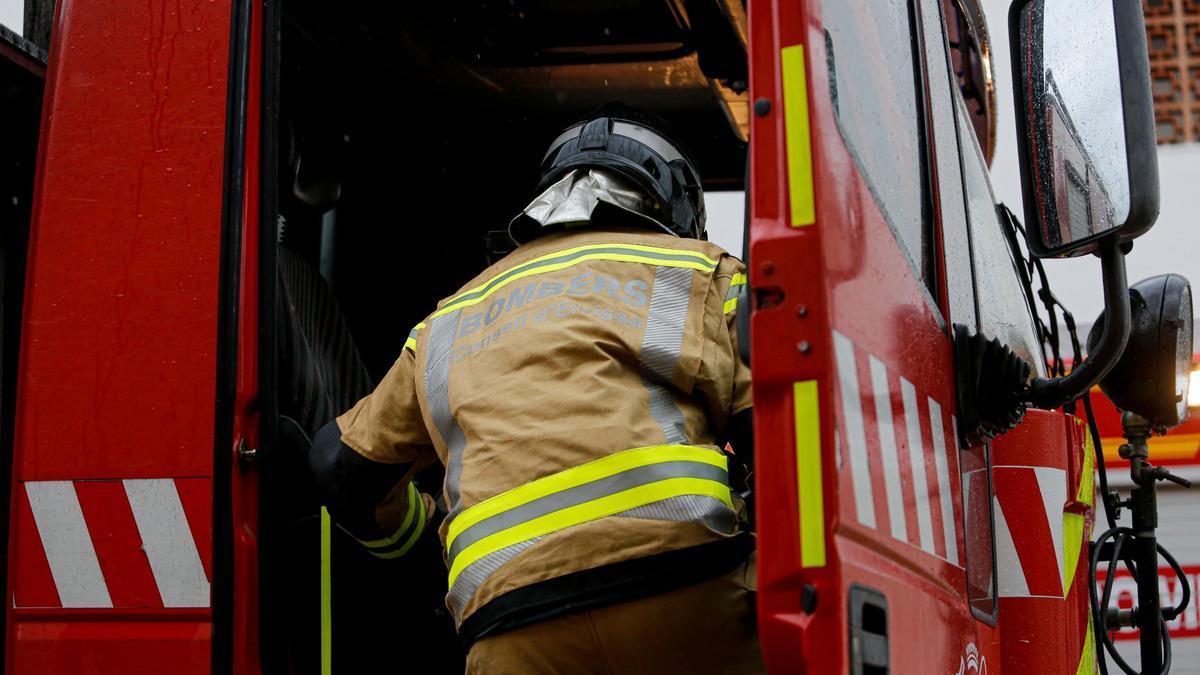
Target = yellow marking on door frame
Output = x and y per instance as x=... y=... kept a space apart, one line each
x=1075 y=530
x=326 y=594
x=809 y=479
x=1087 y=657
x=796 y=132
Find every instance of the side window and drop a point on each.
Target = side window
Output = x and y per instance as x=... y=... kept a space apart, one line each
x=956 y=242
x=1003 y=311
x=876 y=94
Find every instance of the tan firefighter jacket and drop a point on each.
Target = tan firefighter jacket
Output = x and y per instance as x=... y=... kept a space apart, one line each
x=573 y=391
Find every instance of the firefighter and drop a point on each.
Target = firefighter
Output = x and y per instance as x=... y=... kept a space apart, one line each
x=579 y=393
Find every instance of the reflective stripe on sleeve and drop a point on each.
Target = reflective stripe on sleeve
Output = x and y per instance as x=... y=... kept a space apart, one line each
x=604 y=487
x=407 y=534
x=736 y=284
x=411 y=342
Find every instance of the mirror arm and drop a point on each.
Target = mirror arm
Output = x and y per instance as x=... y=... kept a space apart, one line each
x=1049 y=393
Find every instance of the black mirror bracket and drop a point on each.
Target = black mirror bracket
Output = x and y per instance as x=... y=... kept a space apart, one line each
x=1049 y=393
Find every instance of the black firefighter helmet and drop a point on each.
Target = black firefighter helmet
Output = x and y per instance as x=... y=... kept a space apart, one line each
x=636 y=146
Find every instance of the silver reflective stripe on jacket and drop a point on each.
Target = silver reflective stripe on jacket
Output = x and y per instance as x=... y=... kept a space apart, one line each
x=442 y=330
x=661 y=344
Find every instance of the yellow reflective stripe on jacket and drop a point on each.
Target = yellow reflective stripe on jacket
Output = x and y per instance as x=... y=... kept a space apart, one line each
x=405 y=535
x=411 y=342
x=736 y=284
x=648 y=255
x=611 y=485
x=584 y=473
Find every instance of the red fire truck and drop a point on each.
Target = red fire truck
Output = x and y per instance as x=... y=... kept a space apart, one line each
x=240 y=209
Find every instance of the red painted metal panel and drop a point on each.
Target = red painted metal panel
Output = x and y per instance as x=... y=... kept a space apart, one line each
x=129 y=647
x=29 y=571
x=118 y=544
x=846 y=273
x=1179 y=447
x=1043 y=628
x=117 y=365
x=116 y=374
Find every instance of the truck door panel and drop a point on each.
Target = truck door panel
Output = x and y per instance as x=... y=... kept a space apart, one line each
x=876 y=346
x=114 y=432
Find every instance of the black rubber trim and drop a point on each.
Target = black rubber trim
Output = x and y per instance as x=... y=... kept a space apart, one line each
x=272 y=487
x=608 y=585
x=227 y=335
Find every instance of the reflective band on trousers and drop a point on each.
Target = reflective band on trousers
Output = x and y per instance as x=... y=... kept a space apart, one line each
x=604 y=487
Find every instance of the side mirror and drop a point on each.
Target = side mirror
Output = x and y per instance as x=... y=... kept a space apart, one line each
x=1152 y=376
x=1089 y=162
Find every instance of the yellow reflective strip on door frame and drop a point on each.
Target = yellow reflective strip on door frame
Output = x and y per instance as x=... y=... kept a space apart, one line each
x=326 y=594
x=1072 y=548
x=1073 y=523
x=796 y=131
x=1087 y=658
x=589 y=511
x=809 y=481
x=584 y=473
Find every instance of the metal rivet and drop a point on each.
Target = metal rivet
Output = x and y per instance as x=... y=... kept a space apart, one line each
x=802 y=311
x=803 y=346
x=762 y=106
x=808 y=599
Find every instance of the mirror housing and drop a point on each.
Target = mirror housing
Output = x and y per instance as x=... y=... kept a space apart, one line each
x=1152 y=376
x=1082 y=178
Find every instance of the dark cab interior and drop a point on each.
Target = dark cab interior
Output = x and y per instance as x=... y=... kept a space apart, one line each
x=398 y=137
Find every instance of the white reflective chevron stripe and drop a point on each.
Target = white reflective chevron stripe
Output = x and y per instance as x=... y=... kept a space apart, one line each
x=167 y=541
x=1011 y=574
x=886 y=474
x=860 y=466
x=938 y=429
x=67 y=543
x=888 y=451
x=916 y=456
x=1053 y=485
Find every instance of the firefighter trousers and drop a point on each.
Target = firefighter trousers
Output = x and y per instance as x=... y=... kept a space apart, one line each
x=704 y=628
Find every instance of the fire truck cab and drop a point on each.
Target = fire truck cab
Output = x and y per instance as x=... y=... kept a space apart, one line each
x=241 y=208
